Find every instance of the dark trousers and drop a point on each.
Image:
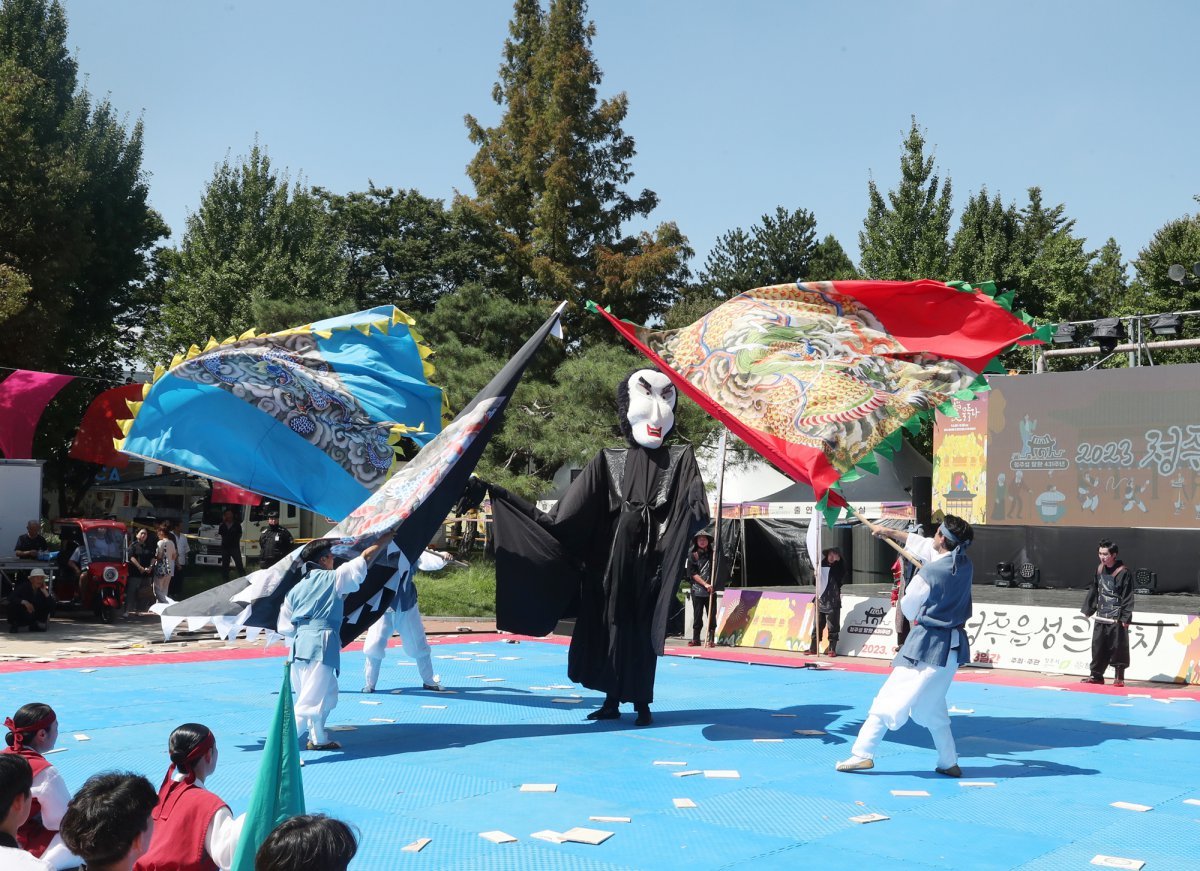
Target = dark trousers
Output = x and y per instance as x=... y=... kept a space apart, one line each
x=18 y=616
x=1110 y=646
x=827 y=620
x=175 y=588
x=699 y=607
x=236 y=556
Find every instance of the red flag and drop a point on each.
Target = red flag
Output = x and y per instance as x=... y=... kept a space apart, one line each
x=24 y=395
x=98 y=429
x=818 y=376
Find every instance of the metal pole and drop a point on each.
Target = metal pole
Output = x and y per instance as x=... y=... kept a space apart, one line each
x=716 y=542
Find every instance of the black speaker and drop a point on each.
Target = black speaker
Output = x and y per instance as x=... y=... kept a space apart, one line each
x=922 y=500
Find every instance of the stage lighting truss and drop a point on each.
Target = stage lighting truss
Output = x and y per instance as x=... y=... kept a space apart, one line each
x=1166 y=325
x=1005 y=573
x=1065 y=334
x=1145 y=582
x=1107 y=333
x=1030 y=576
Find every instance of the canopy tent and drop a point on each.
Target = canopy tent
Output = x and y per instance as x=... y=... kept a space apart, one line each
x=773 y=549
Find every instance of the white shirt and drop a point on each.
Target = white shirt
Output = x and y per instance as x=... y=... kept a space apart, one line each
x=13 y=859
x=348 y=577
x=181 y=547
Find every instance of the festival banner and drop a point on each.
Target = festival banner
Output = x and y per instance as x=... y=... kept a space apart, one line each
x=765 y=619
x=960 y=462
x=1113 y=447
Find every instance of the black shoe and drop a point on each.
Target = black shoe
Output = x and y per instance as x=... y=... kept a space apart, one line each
x=14 y=629
x=1092 y=679
x=605 y=712
x=37 y=627
x=644 y=717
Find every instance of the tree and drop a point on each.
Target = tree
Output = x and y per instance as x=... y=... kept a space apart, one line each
x=1052 y=283
x=75 y=225
x=830 y=262
x=1153 y=290
x=76 y=229
x=985 y=246
x=904 y=237
x=777 y=250
x=550 y=177
x=404 y=249
x=257 y=247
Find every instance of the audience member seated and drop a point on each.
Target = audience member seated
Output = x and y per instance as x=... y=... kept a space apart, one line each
x=192 y=827
x=310 y=842
x=108 y=822
x=29 y=603
x=33 y=731
x=31 y=544
x=16 y=799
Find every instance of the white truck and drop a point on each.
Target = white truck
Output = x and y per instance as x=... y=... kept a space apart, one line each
x=20 y=500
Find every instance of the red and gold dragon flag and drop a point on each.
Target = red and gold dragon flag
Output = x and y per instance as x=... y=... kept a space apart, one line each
x=818 y=376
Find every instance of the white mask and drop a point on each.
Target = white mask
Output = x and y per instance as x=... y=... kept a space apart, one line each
x=651 y=407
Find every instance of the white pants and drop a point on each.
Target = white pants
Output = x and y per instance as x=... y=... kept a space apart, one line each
x=917 y=691
x=412 y=642
x=316 y=696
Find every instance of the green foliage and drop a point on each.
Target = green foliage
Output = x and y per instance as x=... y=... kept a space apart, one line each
x=830 y=262
x=1154 y=291
x=76 y=228
x=255 y=240
x=777 y=250
x=459 y=592
x=904 y=237
x=550 y=179
x=986 y=245
x=404 y=249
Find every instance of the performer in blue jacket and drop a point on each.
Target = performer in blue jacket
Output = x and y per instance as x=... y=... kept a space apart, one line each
x=938 y=603
x=311 y=619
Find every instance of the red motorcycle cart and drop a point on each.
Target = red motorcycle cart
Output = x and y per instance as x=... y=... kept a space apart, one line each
x=101 y=551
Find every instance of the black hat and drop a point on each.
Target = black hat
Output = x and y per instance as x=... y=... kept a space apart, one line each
x=272 y=514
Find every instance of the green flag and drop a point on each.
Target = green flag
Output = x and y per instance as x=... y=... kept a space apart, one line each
x=279 y=791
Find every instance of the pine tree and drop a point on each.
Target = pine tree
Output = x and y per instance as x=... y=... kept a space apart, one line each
x=551 y=177
x=904 y=237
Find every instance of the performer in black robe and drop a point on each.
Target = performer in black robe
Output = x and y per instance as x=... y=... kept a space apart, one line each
x=611 y=553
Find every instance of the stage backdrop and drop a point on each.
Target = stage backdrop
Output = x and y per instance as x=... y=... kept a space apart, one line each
x=1163 y=647
x=1113 y=448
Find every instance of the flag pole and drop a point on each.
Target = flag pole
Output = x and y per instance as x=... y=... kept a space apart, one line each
x=716 y=542
x=892 y=544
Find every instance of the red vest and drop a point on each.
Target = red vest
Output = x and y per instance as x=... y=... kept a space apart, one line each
x=33 y=836
x=180 y=824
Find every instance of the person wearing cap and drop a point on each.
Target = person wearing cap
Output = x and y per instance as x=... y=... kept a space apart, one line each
x=274 y=543
x=311 y=620
x=700 y=573
x=32 y=732
x=29 y=603
x=938 y=603
x=193 y=828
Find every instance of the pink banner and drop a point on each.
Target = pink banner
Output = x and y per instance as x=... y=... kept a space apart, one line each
x=24 y=395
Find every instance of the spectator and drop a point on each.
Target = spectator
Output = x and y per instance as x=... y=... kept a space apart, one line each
x=829 y=602
x=700 y=573
x=29 y=603
x=230 y=533
x=175 y=589
x=16 y=799
x=108 y=822
x=310 y=842
x=33 y=731
x=141 y=570
x=274 y=543
x=165 y=557
x=31 y=544
x=192 y=827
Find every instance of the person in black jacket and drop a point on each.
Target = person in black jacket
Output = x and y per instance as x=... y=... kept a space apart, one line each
x=230 y=533
x=829 y=602
x=29 y=603
x=700 y=573
x=1110 y=600
x=274 y=543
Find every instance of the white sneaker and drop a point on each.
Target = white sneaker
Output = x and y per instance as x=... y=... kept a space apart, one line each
x=368 y=689
x=855 y=763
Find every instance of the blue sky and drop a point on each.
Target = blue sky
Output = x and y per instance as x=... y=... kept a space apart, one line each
x=736 y=107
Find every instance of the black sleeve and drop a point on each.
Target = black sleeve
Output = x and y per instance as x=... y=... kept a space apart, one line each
x=1126 y=595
